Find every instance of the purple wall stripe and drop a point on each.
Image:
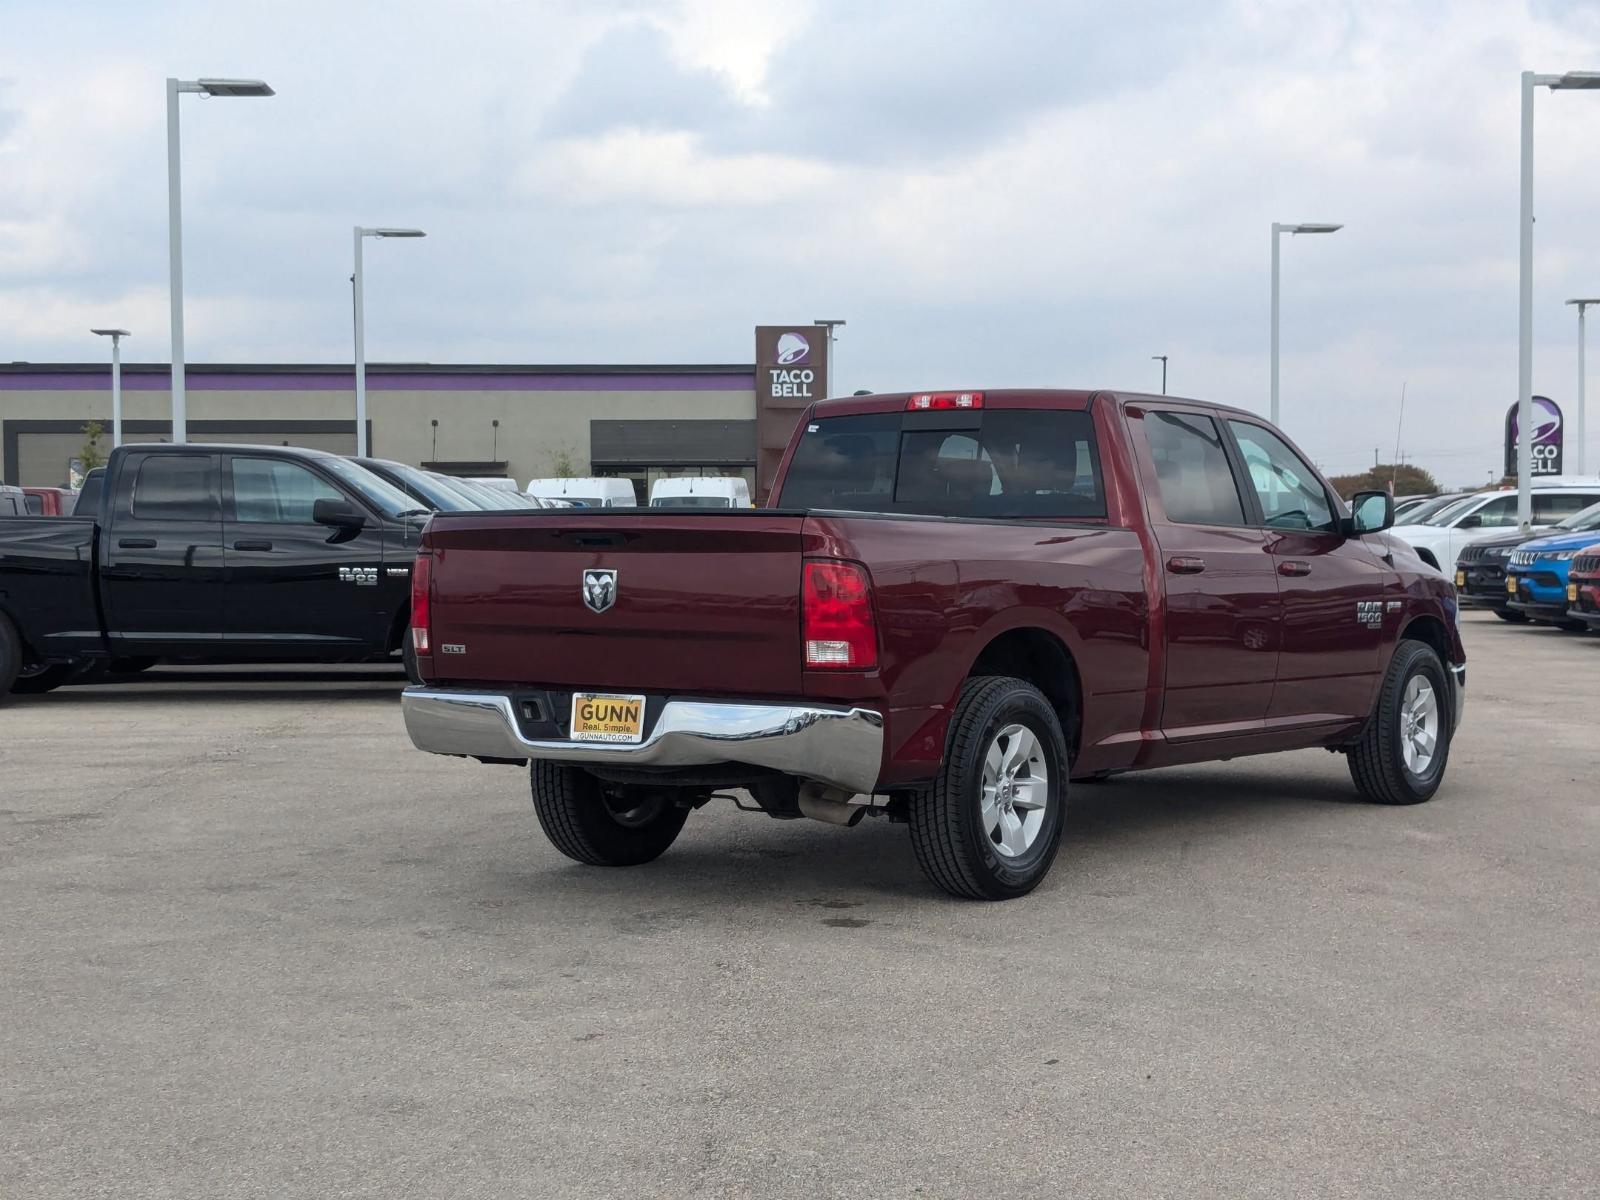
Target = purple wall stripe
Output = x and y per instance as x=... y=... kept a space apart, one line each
x=199 y=381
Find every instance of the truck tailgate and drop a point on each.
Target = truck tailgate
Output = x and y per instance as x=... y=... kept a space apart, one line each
x=705 y=602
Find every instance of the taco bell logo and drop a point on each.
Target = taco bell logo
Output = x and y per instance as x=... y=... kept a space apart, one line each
x=793 y=348
x=1547 y=441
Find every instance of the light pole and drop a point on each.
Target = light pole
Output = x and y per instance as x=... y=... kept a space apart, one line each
x=1163 y=359
x=116 y=336
x=827 y=384
x=1582 y=432
x=1304 y=227
x=1571 y=80
x=362 y=231
x=206 y=87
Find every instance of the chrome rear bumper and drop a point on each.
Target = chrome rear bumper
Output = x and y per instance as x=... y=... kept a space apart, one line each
x=842 y=747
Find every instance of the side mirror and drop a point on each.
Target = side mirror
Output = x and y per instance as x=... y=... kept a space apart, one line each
x=1371 y=512
x=1472 y=522
x=341 y=514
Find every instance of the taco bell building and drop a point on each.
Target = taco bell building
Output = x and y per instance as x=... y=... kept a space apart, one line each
x=640 y=422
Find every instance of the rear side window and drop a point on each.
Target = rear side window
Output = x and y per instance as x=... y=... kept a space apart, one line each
x=998 y=463
x=1193 y=474
x=1548 y=509
x=175 y=487
x=1499 y=513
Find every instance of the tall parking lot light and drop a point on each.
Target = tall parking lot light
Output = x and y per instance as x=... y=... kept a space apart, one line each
x=116 y=336
x=1572 y=80
x=1303 y=227
x=363 y=231
x=833 y=342
x=1583 y=433
x=206 y=87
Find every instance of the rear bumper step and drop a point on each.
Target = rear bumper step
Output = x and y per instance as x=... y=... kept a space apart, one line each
x=842 y=747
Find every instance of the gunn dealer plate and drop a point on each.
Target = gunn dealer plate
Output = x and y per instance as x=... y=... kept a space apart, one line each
x=603 y=718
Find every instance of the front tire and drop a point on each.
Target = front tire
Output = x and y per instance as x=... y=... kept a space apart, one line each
x=10 y=655
x=44 y=679
x=1403 y=751
x=603 y=825
x=990 y=826
x=1512 y=615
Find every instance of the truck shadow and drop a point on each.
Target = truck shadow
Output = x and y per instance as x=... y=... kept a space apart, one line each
x=1111 y=827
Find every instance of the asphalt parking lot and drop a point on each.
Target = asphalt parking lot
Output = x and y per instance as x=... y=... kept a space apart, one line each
x=257 y=946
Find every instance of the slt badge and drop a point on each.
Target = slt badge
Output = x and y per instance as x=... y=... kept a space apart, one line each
x=599 y=588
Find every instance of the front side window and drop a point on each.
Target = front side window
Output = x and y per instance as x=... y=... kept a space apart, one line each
x=1193 y=474
x=175 y=487
x=1291 y=495
x=1499 y=513
x=277 y=492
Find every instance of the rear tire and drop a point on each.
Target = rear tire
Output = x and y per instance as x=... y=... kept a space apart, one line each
x=45 y=679
x=990 y=826
x=603 y=825
x=1405 y=747
x=1512 y=615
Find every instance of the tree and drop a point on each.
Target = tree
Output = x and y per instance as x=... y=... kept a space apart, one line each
x=92 y=432
x=1407 y=479
x=561 y=464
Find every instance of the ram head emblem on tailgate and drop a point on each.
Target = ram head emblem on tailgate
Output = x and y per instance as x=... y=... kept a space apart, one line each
x=599 y=589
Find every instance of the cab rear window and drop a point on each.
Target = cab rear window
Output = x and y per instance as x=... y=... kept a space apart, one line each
x=994 y=463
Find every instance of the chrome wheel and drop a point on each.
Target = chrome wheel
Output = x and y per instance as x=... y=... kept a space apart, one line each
x=1016 y=788
x=1419 y=725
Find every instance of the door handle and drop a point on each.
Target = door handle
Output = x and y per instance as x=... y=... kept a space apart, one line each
x=1183 y=565
x=1294 y=568
x=252 y=544
x=136 y=543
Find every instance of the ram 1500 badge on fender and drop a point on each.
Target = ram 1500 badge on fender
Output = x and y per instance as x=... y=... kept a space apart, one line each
x=955 y=603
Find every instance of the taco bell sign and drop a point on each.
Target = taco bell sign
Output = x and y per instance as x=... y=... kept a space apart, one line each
x=791 y=373
x=1548 y=437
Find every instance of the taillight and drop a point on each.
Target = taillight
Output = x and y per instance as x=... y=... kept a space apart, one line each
x=421 y=603
x=928 y=401
x=836 y=605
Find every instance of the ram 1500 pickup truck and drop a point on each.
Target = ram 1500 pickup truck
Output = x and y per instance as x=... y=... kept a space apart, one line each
x=954 y=602
x=209 y=554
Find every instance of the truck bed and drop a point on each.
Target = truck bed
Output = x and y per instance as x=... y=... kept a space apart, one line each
x=47 y=582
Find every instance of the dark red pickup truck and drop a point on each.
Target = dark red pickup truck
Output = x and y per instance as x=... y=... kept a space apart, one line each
x=956 y=602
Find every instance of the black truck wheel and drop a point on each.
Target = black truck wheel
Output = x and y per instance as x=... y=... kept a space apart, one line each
x=1512 y=615
x=1402 y=753
x=989 y=827
x=10 y=655
x=36 y=680
x=604 y=825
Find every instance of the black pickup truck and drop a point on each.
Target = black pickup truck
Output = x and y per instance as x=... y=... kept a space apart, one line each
x=206 y=553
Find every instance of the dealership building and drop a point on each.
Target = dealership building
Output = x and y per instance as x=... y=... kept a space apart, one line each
x=639 y=422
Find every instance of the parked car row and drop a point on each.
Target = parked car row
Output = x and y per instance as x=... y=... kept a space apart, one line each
x=1523 y=577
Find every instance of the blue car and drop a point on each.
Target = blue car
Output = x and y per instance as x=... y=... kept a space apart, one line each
x=1536 y=577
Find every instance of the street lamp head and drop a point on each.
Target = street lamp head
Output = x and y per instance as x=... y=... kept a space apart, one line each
x=1578 y=80
x=825 y=321
x=1315 y=227
x=111 y=332
x=233 y=87
x=1584 y=303
x=387 y=232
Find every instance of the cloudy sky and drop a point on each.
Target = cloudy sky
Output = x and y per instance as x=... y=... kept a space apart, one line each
x=991 y=192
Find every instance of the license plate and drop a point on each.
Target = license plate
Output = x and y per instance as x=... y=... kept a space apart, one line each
x=1461 y=579
x=1572 y=593
x=1511 y=586
x=602 y=718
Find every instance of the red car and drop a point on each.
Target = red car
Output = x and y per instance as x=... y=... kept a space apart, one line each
x=50 y=501
x=1583 y=587
x=954 y=603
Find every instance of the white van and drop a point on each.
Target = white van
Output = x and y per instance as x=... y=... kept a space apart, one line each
x=589 y=493
x=686 y=491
